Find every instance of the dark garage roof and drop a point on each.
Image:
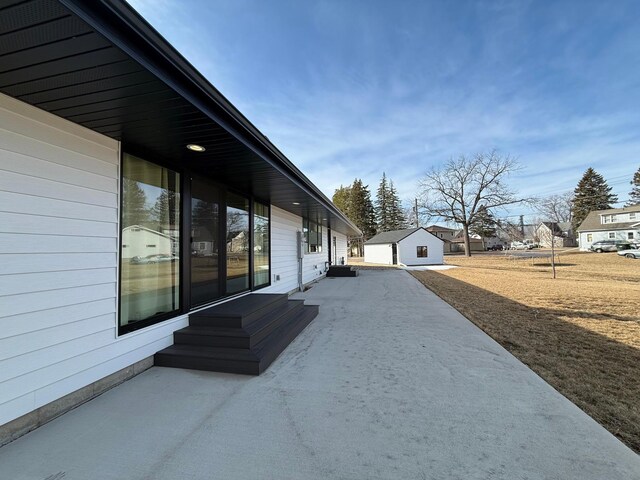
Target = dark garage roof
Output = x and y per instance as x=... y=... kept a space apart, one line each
x=394 y=236
x=101 y=65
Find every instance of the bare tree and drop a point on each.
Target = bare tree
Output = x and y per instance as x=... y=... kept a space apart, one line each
x=556 y=208
x=457 y=190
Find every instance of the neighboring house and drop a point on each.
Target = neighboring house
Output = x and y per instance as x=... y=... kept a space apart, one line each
x=611 y=224
x=559 y=233
x=413 y=246
x=104 y=127
x=139 y=241
x=475 y=243
x=443 y=233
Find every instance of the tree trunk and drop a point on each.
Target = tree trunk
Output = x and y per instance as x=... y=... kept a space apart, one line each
x=467 y=241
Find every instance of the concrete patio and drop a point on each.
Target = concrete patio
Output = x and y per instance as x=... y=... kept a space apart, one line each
x=388 y=382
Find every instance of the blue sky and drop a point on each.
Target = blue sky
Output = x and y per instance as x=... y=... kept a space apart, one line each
x=353 y=88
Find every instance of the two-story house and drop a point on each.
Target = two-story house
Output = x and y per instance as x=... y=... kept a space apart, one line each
x=611 y=224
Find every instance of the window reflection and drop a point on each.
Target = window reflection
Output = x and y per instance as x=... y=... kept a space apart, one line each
x=204 y=243
x=237 y=243
x=260 y=244
x=150 y=238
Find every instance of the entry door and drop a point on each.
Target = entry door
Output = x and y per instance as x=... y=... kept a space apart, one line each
x=394 y=252
x=205 y=243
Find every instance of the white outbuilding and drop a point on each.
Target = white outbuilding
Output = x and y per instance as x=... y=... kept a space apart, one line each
x=413 y=246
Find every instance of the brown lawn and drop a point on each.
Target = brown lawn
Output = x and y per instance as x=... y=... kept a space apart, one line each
x=580 y=332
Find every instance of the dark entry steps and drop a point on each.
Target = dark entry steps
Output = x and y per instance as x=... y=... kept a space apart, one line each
x=342 y=271
x=244 y=335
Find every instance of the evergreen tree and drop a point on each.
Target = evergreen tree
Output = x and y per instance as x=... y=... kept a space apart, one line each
x=342 y=200
x=484 y=225
x=166 y=210
x=592 y=193
x=136 y=212
x=355 y=203
x=382 y=207
x=634 y=194
x=362 y=209
x=396 y=214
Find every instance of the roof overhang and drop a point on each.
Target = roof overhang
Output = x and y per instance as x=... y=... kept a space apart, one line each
x=101 y=65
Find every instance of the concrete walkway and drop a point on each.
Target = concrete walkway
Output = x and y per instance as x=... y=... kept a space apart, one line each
x=388 y=382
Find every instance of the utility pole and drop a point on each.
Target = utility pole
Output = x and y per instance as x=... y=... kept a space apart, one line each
x=415 y=209
x=522 y=226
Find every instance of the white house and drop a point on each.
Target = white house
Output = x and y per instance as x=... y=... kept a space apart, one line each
x=413 y=246
x=104 y=127
x=139 y=241
x=559 y=233
x=611 y=224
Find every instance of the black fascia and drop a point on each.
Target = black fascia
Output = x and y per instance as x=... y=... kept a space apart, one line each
x=127 y=30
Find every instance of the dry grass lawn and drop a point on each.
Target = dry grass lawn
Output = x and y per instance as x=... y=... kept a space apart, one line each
x=580 y=332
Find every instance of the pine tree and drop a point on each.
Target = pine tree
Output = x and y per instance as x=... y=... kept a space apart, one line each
x=355 y=203
x=634 y=194
x=136 y=212
x=484 y=224
x=342 y=200
x=396 y=214
x=382 y=206
x=592 y=193
x=362 y=209
x=166 y=209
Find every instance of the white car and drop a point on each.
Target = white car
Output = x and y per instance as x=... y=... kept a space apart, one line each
x=630 y=253
x=519 y=246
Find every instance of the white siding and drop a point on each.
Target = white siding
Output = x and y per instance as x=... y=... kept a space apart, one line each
x=58 y=261
x=585 y=244
x=284 y=261
x=408 y=252
x=382 y=254
x=341 y=247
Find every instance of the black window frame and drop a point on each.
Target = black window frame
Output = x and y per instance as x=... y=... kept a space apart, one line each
x=306 y=224
x=419 y=250
x=184 y=270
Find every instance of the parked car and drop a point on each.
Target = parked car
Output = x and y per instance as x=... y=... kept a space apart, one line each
x=495 y=248
x=609 y=246
x=520 y=246
x=630 y=253
x=155 y=258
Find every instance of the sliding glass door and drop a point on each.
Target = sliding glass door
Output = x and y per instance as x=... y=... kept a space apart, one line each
x=238 y=243
x=205 y=248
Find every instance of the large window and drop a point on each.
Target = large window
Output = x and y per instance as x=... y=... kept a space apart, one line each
x=237 y=243
x=260 y=244
x=422 y=252
x=312 y=235
x=150 y=240
x=204 y=243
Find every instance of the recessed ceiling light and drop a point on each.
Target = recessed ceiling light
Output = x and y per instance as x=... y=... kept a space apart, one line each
x=195 y=148
x=296 y=203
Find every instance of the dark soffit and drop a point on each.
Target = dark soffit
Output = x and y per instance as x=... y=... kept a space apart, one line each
x=101 y=65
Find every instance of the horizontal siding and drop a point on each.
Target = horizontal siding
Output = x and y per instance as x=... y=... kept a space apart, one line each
x=284 y=262
x=341 y=246
x=12 y=202
x=58 y=261
x=39 y=243
x=54 y=262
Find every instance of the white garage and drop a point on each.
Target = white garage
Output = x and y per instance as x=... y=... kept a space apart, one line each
x=413 y=246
